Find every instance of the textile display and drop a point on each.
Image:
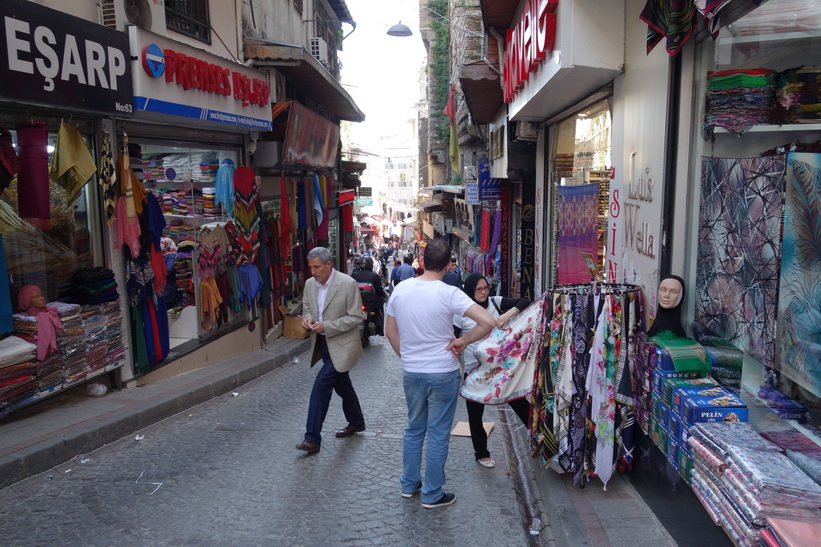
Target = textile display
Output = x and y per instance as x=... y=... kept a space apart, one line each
x=246 y=214
x=578 y=230
x=285 y=217
x=9 y=166
x=670 y=19
x=33 y=202
x=224 y=194
x=507 y=359
x=583 y=399
x=738 y=99
x=72 y=165
x=107 y=178
x=739 y=251
x=798 y=91
x=799 y=306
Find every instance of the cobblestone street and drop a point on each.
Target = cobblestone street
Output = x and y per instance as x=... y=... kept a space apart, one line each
x=227 y=473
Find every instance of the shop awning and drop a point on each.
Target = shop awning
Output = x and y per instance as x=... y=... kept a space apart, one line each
x=482 y=88
x=462 y=234
x=498 y=13
x=303 y=71
x=430 y=206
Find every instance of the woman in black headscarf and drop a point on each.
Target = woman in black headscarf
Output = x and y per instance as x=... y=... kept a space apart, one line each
x=668 y=311
x=502 y=309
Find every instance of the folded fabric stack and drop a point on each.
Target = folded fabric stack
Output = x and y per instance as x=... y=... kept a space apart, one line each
x=107 y=344
x=184 y=269
x=739 y=99
x=790 y=533
x=209 y=207
x=18 y=383
x=206 y=166
x=742 y=479
x=799 y=92
x=178 y=230
x=49 y=373
x=94 y=286
x=71 y=342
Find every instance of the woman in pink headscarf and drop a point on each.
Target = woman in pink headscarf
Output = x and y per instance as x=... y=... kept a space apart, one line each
x=31 y=300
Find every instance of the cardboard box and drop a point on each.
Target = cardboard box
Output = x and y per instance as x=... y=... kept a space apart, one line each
x=292 y=325
x=664 y=416
x=685 y=465
x=671 y=384
x=672 y=451
x=661 y=376
x=713 y=408
x=681 y=393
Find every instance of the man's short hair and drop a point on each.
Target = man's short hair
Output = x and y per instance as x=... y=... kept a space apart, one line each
x=369 y=263
x=322 y=254
x=409 y=259
x=437 y=255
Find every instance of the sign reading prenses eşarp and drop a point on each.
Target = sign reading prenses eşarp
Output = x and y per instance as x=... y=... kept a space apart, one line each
x=48 y=57
x=177 y=79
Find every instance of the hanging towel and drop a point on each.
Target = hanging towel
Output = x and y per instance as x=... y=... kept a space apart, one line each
x=71 y=163
x=33 y=201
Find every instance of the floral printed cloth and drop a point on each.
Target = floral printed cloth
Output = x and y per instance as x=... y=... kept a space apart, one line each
x=507 y=359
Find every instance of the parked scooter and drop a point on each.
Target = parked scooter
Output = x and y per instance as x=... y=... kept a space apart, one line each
x=374 y=316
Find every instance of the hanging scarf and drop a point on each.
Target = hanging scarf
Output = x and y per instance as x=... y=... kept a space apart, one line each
x=48 y=322
x=71 y=163
x=508 y=358
x=302 y=206
x=284 y=217
x=130 y=185
x=497 y=231
x=542 y=441
x=582 y=318
x=563 y=377
x=321 y=231
x=33 y=197
x=108 y=179
x=9 y=165
x=318 y=203
x=486 y=230
x=225 y=187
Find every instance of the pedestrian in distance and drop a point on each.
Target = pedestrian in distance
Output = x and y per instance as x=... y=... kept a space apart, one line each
x=419 y=328
x=332 y=312
x=502 y=309
x=451 y=277
x=403 y=272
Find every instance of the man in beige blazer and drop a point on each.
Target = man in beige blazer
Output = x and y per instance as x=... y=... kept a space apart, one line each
x=332 y=312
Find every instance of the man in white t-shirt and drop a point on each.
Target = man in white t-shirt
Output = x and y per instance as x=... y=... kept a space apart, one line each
x=419 y=328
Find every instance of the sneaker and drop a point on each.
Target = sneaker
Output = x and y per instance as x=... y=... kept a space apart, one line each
x=486 y=462
x=415 y=490
x=448 y=498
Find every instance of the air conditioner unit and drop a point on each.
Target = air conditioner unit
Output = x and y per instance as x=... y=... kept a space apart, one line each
x=319 y=49
x=146 y=14
x=470 y=173
x=527 y=131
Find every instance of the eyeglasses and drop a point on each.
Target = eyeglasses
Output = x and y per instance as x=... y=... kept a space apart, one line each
x=482 y=289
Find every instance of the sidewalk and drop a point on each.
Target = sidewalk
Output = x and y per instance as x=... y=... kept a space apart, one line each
x=37 y=438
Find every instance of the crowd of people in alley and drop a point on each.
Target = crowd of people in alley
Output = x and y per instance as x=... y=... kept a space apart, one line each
x=433 y=322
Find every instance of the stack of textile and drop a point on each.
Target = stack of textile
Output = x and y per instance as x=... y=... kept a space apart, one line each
x=184 y=269
x=71 y=344
x=18 y=385
x=113 y=335
x=96 y=345
x=209 y=207
x=799 y=92
x=742 y=479
x=205 y=167
x=94 y=286
x=790 y=533
x=178 y=230
x=49 y=373
x=739 y=99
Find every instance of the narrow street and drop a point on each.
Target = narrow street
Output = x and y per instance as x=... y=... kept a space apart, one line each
x=227 y=473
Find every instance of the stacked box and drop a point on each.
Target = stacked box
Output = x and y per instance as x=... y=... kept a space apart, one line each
x=724 y=407
x=672 y=384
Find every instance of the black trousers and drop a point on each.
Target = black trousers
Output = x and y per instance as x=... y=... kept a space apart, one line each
x=477 y=431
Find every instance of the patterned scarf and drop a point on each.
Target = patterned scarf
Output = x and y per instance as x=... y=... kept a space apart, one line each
x=582 y=318
x=108 y=179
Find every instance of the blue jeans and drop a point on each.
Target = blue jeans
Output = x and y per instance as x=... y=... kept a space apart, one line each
x=327 y=381
x=431 y=400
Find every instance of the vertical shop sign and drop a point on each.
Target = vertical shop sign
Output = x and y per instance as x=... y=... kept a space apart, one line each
x=504 y=267
x=50 y=58
x=528 y=238
x=538 y=226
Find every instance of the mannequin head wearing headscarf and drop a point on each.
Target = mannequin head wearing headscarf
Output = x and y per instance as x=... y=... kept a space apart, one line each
x=668 y=312
x=474 y=281
x=31 y=297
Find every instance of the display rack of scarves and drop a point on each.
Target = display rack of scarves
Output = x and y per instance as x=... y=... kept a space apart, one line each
x=583 y=400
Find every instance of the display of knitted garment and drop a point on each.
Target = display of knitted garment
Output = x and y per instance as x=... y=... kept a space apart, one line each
x=246 y=214
x=225 y=187
x=33 y=198
x=250 y=283
x=507 y=359
x=130 y=186
x=71 y=163
x=210 y=301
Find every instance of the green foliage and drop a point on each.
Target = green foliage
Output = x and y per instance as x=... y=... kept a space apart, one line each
x=440 y=72
x=456 y=180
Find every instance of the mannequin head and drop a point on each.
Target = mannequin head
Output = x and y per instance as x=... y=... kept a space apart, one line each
x=31 y=296
x=668 y=312
x=670 y=292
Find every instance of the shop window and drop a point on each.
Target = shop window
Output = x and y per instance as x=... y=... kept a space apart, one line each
x=184 y=181
x=189 y=17
x=47 y=252
x=581 y=193
x=756 y=167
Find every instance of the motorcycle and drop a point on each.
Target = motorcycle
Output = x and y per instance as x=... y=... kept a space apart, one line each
x=374 y=317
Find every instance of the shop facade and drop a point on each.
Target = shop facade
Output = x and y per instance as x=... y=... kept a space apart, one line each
x=65 y=81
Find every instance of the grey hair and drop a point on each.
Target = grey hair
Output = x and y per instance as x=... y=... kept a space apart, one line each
x=322 y=254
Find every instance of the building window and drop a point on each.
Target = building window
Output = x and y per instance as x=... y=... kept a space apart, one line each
x=189 y=17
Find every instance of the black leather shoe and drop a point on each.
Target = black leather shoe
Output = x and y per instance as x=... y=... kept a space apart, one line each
x=349 y=430
x=308 y=446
